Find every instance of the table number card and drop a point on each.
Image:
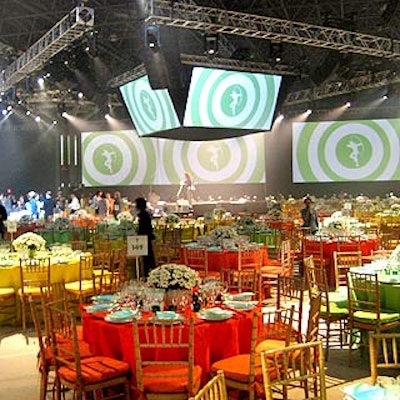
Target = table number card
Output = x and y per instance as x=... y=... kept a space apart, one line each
x=11 y=226
x=137 y=246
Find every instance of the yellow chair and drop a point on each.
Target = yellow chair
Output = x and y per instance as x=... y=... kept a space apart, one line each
x=215 y=389
x=344 y=260
x=171 y=378
x=82 y=289
x=34 y=275
x=300 y=365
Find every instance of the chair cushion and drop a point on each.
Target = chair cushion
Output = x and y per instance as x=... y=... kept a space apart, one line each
x=95 y=369
x=170 y=383
x=30 y=290
x=371 y=317
x=270 y=344
x=335 y=311
x=86 y=286
x=237 y=368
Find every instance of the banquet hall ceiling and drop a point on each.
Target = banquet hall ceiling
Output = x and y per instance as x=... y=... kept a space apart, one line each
x=116 y=44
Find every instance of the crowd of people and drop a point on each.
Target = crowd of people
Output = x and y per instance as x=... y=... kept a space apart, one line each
x=44 y=205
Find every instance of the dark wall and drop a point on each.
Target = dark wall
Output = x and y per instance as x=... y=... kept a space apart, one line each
x=29 y=153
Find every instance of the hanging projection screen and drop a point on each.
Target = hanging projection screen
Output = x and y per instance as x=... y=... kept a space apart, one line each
x=121 y=158
x=345 y=151
x=231 y=99
x=150 y=110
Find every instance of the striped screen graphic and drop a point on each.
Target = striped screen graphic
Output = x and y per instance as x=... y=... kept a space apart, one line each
x=230 y=99
x=121 y=158
x=340 y=151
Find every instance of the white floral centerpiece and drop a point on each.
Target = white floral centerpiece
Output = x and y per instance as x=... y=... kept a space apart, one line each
x=125 y=216
x=223 y=232
x=29 y=241
x=173 y=277
x=172 y=219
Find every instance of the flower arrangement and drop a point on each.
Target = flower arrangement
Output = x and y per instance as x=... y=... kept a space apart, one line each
x=125 y=216
x=62 y=224
x=172 y=219
x=29 y=241
x=173 y=276
x=223 y=232
x=219 y=213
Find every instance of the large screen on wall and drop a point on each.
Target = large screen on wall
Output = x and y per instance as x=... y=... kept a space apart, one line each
x=121 y=158
x=150 y=110
x=341 y=151
x=220 y=98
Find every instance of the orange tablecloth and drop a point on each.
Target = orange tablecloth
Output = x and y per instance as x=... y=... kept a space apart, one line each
x=330 y=246
x=213 y=340
x=218 y=260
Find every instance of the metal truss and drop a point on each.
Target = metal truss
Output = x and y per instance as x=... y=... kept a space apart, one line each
x=203 y=61
x=189 y=16
x=66 y=31
x=333 y=89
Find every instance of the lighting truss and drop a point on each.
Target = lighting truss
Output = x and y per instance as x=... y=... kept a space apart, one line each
x=337 y=88
x=190 y=16
x=67 y=30
x=215 y=62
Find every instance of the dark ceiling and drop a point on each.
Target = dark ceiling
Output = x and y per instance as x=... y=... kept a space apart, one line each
x=116 y=45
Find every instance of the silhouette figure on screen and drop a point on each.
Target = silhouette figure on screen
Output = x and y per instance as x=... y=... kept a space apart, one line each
x=235 y=96
x=214 y=159
x=355 y=151
x=108 y=162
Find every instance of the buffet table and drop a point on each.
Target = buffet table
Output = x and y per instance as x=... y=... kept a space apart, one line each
x=213 y=340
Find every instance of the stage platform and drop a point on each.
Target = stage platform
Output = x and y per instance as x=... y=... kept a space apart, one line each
x=234 y=207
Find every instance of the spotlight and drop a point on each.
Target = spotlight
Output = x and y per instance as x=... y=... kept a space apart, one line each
x=9 y=108
x=80 y=95
x=64 y=114
x=28 y=112
x=152 y=36
x=37 y=118
x=385 y=97
x=309 y=111
x=4 y=112
x=210 y=43
x=107 y=116
x=40 y=80
x=55 y=122
x=347 y=104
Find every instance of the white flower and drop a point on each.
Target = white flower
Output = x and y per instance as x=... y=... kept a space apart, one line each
x=125 y=216
x=29 y=241
x=173 y=276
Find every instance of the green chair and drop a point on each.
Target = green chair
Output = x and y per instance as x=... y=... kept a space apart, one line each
x=365 y=313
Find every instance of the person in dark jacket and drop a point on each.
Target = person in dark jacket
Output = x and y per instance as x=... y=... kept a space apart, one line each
x=145 y=228
x=3 y=217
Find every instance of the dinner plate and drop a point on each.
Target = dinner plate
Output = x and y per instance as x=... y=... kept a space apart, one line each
x=122 y=316
x=168 y=316
x=364 y=391
x=215 y=314
x=104 y=298
x=241 y=305
x=94 y=308
x=244 y=296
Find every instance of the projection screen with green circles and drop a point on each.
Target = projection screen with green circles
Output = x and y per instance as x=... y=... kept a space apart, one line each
x=341 y=151
x=121 y=158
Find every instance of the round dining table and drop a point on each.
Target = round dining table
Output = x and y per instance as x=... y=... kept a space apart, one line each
x=213 y=340
x=219 y=258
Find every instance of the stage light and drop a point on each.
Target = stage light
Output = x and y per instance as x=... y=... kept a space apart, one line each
x=152 y=36
x=9 y=108
x=385 y=97
x=55 y=122
x=4 y=112
x=80 y=95
x=28 y=112
x=309 y=111
x=37 y=118
x=210 y=43
x=348 y=104
x=64 y=114
x=40 y=81
x=107 y=117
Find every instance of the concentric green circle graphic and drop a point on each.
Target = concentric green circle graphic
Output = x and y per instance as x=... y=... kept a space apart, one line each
x=345 y=151
x=238 y=160
x=151 y=110
x=219 y=98
x=116 y=158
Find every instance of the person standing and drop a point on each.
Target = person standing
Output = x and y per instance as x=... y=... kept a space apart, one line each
x=146 y=228
x=74 y=204
x=117 y=203
x=309 y=216
x=3 y=217
x=49 y=205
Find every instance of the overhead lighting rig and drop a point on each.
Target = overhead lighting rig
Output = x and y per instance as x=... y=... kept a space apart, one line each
x=61 y=35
